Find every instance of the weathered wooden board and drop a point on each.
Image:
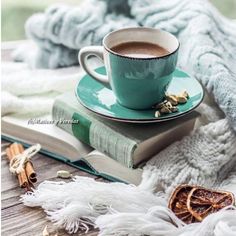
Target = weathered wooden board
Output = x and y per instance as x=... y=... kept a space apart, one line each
x=18 y=219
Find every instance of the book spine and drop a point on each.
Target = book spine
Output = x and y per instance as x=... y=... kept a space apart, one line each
x=94 y=133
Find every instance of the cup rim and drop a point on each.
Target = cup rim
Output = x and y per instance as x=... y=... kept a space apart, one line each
x=139 y=58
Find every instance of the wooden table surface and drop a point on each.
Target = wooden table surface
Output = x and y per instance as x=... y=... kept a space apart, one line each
x=17 y=219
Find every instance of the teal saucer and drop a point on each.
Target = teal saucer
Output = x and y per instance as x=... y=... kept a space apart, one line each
x=101 y=100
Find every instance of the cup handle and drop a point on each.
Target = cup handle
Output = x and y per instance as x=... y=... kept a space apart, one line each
x=83 y=59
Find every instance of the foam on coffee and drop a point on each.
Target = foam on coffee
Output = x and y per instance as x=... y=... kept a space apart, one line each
x=140 y=50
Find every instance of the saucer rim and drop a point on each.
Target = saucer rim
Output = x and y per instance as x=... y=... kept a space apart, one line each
x=154 y=119
x=140 y=121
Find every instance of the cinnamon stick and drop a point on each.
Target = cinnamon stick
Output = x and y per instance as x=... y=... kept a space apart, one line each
x=22 y=178
x=29 y=169
x=27 y=176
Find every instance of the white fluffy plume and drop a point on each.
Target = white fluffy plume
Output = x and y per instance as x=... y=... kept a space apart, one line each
x=120 y=209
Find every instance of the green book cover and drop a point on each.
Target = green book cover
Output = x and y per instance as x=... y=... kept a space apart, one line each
x=127 y=143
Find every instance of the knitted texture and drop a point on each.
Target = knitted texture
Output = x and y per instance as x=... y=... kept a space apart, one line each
x=26 y=91
x=203 y=158
x=61 y=31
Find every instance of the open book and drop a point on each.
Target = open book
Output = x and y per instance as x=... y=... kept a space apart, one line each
x=62 y=146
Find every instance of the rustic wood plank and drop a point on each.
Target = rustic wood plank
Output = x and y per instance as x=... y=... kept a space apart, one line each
x=18 y=219
x=22 y=220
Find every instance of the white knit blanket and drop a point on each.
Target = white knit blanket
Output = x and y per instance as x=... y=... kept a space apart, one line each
x=207 y=157
x=32 y=92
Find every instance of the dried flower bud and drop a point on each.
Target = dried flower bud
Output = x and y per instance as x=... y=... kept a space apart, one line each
x=174 y=109
x=184 y=93
x=165 y=110
x=168 y=105
x=182 y=99
x=64 y=174
x=157 y=114
x=172 y=99
x=160 y=105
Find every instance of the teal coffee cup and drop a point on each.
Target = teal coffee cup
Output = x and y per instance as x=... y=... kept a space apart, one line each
x=137 y=82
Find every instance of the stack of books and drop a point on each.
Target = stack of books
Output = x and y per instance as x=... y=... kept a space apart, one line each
x=72 y=133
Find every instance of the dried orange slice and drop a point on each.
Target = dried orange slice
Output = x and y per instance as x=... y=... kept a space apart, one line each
x=201 y=201
x=178 y=203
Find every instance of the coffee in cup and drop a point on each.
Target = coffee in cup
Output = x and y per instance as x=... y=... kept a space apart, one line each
x=140 y=49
